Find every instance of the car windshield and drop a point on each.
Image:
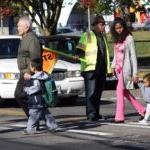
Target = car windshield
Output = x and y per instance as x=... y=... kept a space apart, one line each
x=67 y=45
x=9 y=48
x=63 y=44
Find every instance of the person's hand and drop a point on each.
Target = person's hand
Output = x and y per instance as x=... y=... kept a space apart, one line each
x=76 y=57
x=135 y=79
x=27 y=76
x=113 y=71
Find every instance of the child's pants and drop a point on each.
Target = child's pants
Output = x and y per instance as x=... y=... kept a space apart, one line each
x=35 y=115
x=121 y=93
x=147 y=113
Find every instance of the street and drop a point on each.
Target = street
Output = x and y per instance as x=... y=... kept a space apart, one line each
x=74 y=131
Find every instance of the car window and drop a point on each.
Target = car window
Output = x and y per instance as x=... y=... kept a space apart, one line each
x=53 y=44
x=65 y=46
x=9 y=48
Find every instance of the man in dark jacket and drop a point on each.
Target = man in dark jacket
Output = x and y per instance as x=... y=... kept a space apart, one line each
x=29 y=48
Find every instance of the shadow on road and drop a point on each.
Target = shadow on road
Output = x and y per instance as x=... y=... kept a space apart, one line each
x=8 y=103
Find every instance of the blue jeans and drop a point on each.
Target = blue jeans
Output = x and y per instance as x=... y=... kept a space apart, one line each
x=35 y=115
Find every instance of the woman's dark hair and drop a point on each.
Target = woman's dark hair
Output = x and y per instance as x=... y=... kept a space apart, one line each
x=116 y=37
x=36 y=63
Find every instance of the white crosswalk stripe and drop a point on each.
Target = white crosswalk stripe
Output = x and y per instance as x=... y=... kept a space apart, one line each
x=4 y=128
x=129 y=124
x=90 y=132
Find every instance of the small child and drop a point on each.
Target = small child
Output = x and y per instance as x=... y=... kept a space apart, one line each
x=145 y=89
x=37 y=107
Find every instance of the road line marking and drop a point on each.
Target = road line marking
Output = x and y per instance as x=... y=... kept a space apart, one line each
x=4 y=111
x=18 y=125
x=114 y=98
x=5 y=128
x=129 y=124
x=90 y=132
x=68 y=128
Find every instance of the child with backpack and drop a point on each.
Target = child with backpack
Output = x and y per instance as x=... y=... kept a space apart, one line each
x=36 y=104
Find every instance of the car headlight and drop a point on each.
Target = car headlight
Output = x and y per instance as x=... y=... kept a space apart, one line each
x=73 y=74
x=9 y=76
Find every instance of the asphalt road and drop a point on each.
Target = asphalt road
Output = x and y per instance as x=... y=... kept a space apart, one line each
x=75 y=133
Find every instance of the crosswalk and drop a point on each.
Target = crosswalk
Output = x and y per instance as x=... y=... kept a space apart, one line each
x=76 y=128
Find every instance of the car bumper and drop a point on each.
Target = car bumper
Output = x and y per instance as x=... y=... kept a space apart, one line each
x=67 y=87
x=70 y=86
x=7 y=88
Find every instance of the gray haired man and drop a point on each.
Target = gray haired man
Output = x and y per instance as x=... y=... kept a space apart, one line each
x=29 y=48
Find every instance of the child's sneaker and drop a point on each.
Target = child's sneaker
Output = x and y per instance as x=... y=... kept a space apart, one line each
x=144 y=122
x=26 y=132
x=53 y=127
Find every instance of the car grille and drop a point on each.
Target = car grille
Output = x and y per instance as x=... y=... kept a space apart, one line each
x=59 y=76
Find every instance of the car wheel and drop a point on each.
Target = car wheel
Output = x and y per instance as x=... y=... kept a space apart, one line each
x=1 y=102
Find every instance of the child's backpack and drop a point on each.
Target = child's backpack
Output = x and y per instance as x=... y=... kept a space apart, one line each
x=50 y=93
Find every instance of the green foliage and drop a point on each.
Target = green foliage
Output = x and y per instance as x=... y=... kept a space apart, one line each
x=102 y=6
x=48 y=12
x=108 y=6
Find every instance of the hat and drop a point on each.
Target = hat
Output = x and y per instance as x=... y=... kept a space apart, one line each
x=98 y=19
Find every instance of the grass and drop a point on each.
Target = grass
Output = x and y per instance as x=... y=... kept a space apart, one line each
x=141 y=35
x=142 y=48
x=142 y=43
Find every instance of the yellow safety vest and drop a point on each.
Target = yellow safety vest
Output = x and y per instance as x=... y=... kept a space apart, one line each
x=88 y=43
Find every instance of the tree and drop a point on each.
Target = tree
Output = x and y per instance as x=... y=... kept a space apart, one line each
x=109 y=6
x=99 y=6
x=5 y=10
x=44 y=13
x=102 y=6
x=124 y=7
x=47 y=12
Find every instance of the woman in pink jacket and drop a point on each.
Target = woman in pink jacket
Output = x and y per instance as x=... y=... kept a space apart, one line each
x=124 y=66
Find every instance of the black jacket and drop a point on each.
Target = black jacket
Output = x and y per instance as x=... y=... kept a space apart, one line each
x=35 y=90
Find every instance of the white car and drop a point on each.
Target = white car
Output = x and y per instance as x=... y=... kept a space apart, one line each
x=66 y=74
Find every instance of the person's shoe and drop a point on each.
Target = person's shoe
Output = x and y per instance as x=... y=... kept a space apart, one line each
x=144 y=122
x=101 y=118
x=92 y=118
x=53 y=127
x=117 y=121
x=141 y=118
x=25 y=132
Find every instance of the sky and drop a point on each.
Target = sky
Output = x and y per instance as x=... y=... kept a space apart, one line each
x=65 y=12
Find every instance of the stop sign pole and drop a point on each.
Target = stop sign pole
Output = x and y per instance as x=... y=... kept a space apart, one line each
x=88 y=4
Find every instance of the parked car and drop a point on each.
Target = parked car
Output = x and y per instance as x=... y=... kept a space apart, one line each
x=9 y=73
x=66 y=74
